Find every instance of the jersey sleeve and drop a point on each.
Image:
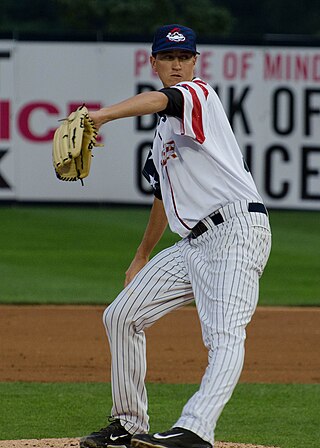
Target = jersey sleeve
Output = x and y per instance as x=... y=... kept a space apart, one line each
x=152 y=176
x=175 y=102
x=195 y=106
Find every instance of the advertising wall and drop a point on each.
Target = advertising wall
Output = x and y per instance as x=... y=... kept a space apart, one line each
x=271 y=95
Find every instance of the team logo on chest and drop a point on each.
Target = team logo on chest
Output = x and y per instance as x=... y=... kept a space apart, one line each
x=168 y=152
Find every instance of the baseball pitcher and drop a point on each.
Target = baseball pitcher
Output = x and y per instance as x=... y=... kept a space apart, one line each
x=205 y=192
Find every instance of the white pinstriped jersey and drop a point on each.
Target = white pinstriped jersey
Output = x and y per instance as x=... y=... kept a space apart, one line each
x=199 y=162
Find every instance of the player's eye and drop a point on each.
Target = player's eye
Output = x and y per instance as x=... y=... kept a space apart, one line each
x=165 y=57
x=185 y=57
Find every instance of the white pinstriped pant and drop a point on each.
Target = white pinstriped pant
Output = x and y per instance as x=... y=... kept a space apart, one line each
x=220 y=270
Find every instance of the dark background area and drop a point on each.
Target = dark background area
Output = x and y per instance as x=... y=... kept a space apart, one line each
x=116 y=18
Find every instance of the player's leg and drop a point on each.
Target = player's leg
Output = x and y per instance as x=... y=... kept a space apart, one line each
x=224 y=267
x=160 y=287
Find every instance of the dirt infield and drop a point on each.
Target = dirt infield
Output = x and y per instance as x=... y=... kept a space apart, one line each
x=68 y=344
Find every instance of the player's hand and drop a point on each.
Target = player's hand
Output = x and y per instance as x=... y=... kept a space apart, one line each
x=96 y=117
x=136 y=265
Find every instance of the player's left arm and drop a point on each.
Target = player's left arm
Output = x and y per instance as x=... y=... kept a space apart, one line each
x=156 y=226
x=142 y=104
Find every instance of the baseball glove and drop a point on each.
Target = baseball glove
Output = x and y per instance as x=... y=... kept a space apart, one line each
x=72 y=145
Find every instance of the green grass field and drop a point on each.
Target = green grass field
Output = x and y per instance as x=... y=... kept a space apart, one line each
x=79 y=254
x=286 y=416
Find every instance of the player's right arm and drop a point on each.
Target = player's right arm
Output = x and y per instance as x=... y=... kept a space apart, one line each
x=153 y=233
x=142 y=104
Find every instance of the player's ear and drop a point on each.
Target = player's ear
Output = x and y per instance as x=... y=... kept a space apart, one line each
x=153 y=63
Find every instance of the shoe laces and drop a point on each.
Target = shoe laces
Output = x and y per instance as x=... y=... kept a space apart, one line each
x=115 y=424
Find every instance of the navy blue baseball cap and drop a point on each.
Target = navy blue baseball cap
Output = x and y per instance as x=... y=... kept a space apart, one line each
x=174 y=37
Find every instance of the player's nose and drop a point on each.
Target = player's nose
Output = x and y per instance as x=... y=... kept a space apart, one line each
x=176 y=63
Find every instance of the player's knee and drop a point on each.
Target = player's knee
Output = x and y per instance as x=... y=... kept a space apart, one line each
x=109 y=316
x=224 y=338
x=116 y=316
x=106 y=318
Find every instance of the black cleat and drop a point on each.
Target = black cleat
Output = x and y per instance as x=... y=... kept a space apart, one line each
x=113 y=436
x=174 y=438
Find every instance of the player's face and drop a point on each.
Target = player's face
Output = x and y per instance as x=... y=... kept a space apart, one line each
x=174 y=66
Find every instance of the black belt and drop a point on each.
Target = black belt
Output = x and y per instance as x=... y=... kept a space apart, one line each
x=217 y=218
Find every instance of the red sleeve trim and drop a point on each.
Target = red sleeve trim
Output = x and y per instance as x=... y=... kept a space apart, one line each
x=197 y=124
x=202 y=84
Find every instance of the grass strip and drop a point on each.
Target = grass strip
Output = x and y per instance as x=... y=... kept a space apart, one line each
x=68 y=254
x=269 y=414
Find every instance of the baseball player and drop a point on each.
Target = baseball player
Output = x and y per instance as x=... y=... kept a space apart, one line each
x=203 y=189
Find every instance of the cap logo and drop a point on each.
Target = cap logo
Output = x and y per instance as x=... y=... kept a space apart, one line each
x=175 y=35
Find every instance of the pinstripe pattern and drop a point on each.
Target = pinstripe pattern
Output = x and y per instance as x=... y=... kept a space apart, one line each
x=160 y=287
x=220 y=270
x=233 y=256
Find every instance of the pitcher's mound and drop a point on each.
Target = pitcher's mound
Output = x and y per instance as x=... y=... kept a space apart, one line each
x=70 y=443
